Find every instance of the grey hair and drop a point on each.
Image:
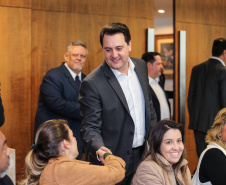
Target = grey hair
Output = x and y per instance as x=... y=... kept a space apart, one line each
x=77 y=43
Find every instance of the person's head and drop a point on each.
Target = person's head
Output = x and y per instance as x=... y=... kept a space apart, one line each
x=116 y=43
x=166 y=139
x=217 y=133
x=154 y=64
x=4 y=155
x=53 y=139
x=219 y=48
x=76 y=55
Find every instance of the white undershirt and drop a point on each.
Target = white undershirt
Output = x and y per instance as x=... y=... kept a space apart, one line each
x=135 y=100
x=164 y=107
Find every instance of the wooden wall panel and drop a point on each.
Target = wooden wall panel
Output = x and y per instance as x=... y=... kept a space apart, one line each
x=121 y=8
x=15 y=72
x=201 y=30
x=201 y=12
x=50 y=37
x=16 y=3
x=52 y=5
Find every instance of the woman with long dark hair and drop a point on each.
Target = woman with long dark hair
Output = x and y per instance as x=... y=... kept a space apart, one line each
x=52 y=160
x=164 y=161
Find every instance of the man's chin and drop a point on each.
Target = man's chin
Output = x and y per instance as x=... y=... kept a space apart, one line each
x=4 y=173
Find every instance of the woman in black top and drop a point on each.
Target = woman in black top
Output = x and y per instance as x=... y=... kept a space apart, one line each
x=212 y=162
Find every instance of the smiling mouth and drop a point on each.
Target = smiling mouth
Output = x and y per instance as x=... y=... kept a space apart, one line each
x=174 y=154
x=115 y=60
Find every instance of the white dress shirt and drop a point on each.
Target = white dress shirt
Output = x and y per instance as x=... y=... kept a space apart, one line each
x=164 y=107
x=73 y=74
x=135 y=99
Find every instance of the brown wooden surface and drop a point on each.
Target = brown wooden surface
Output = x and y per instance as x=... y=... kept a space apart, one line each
x=34 y=37
x=15 y=71
x=203 y=22
x=16 y=3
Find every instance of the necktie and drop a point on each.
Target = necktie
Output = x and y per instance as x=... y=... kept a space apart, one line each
x=77 y=81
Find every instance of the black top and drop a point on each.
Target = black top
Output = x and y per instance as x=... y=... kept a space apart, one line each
x=213 y=167
x=6 y=181
x=2 y=117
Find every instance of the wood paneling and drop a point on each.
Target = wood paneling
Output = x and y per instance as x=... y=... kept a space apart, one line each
x=201 y=12
x=52 y=5
x=15 y=72
x=121 y=8
x=16 y=3
x=202 y=20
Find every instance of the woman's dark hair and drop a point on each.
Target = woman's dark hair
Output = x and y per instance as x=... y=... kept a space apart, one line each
x=155 y=140
x=113 y=28
x=47 y=141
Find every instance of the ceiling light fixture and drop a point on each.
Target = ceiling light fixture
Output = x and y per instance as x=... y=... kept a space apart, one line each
x=161 y=11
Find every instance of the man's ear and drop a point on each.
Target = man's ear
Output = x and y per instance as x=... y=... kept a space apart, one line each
x=66 y=144
x=66 y=56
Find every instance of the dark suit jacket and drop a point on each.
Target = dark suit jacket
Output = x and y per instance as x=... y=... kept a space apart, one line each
x=58 y=99
x=106 y=116
x=156 y=103
x=207 y=94
x=6 y=181
x=2 y=116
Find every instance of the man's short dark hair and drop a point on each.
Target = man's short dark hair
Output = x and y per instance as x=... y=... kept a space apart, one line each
x=219 y=45
x=150 y=57
x=113 y=28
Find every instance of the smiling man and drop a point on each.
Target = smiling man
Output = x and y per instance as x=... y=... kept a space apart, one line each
x=58 y=97
x=116 y=105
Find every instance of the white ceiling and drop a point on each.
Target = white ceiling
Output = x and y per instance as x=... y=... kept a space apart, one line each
x=166 y=5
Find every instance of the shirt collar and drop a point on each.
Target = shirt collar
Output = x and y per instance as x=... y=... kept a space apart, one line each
x=73 y=74
x=130 y=69
x=153 y=81
x=219 y=60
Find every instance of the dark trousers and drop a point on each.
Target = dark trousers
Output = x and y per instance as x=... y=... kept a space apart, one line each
x=135 y=159
x=200 y=142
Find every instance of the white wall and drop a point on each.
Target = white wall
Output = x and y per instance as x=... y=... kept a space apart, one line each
x=163 y=25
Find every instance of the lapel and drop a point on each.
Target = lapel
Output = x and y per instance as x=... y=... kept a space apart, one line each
x=112 y=80
x=153 y=93
x=142 y=79
x=68 y=76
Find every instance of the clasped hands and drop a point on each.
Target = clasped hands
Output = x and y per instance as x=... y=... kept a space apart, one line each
x=100 y=153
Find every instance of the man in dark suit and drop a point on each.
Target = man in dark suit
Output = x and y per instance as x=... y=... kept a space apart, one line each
x=116 y=104
x=207 y=93
x=2 y=116
x=59 y=91
x=4 y=161
x=159 y=97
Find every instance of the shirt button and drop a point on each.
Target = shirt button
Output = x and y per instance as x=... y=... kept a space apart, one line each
x=128 y=152
x=131 y=133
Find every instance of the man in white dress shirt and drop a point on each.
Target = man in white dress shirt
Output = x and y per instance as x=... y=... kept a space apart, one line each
x=159 y=97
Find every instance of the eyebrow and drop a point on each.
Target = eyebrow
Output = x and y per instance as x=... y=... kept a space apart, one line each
x=172 y=139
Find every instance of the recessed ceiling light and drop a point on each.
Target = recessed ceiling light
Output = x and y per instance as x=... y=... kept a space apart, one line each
x=161 y=11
